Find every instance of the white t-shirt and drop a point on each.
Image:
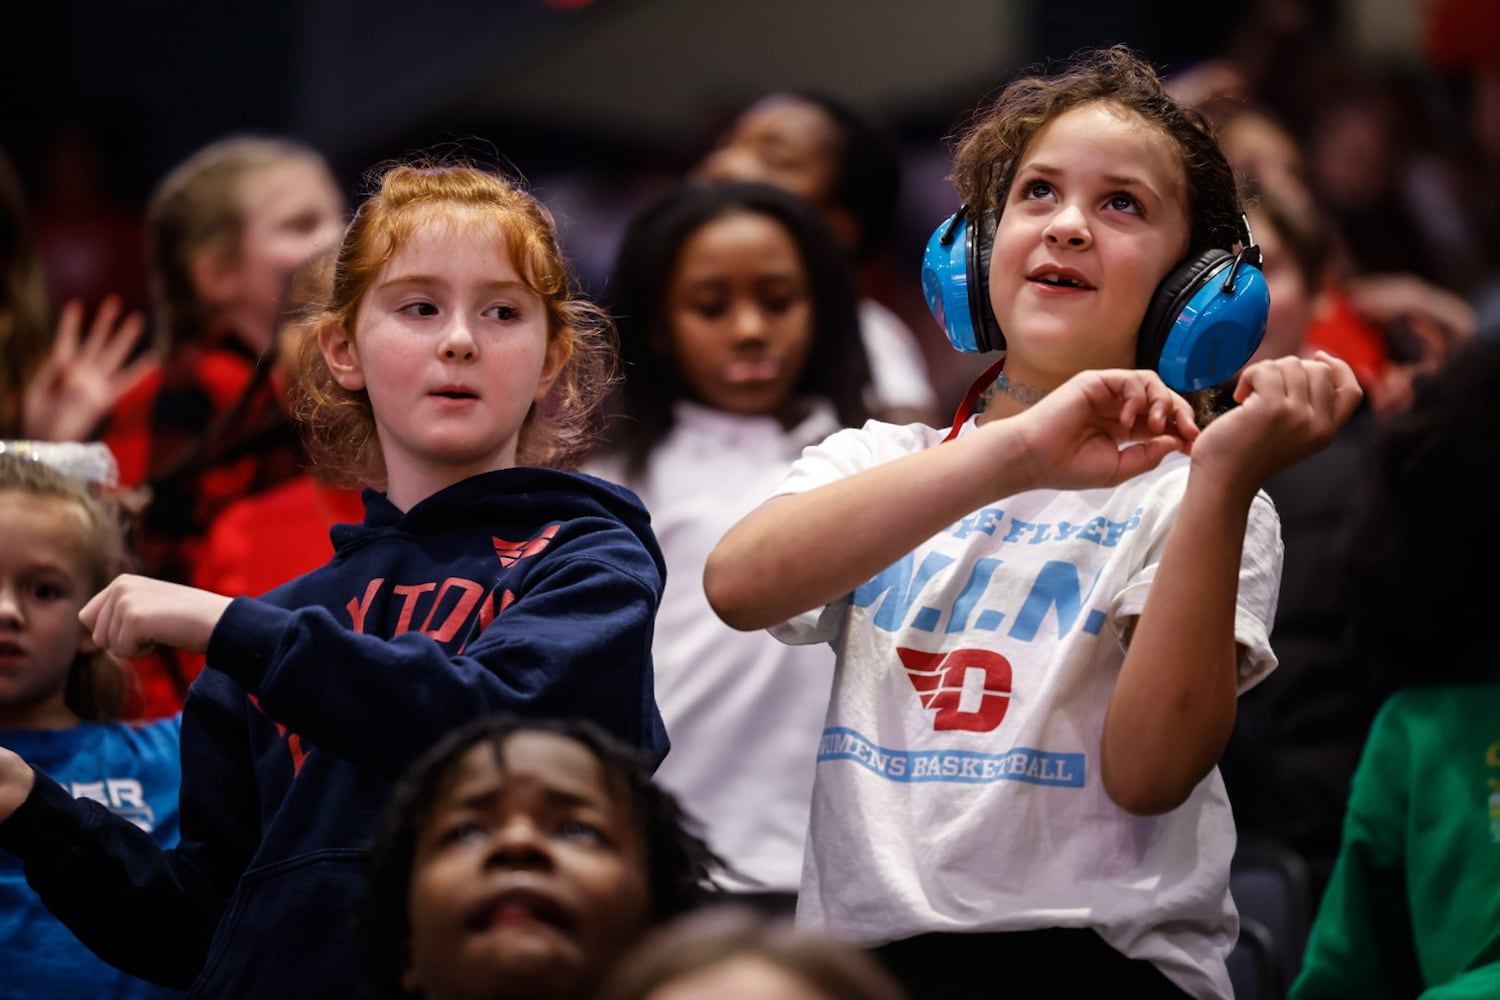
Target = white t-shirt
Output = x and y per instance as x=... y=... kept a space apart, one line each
x=743 y=711
x=898 y=371
x=958 y=782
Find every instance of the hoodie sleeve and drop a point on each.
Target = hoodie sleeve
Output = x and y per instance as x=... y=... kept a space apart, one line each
x=574 y=640
x=144 y=909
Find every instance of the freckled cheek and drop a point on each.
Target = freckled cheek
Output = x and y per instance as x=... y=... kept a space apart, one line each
x=400 y=360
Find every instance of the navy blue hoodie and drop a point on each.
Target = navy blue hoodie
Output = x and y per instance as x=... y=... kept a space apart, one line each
x=526 y=590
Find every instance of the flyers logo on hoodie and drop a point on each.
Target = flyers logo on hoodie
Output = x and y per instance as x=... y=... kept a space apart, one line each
x=970 y=688
x=511 y=553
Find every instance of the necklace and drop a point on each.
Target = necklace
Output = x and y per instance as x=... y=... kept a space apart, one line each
x=1024 y=394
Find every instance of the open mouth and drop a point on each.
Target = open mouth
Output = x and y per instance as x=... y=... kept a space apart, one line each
x=11 y=649
x=520 y=907
x=1058 y=278
x=455 y=394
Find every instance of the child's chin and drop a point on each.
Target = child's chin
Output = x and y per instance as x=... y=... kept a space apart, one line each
x=543 y=960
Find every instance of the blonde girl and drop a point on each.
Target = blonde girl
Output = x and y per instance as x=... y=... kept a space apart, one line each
x=60 y=703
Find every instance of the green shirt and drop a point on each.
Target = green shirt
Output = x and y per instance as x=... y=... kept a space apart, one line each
x=1413 y=907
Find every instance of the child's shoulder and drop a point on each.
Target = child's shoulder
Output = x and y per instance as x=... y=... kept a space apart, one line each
x=532 y=507
x=568 y=494
x=886 y=440
x=1429 y=721
x=98 y=742
x=160 y=739
x=156 y=733
x=528 y=493
x=1437 y=701
x=852 y=450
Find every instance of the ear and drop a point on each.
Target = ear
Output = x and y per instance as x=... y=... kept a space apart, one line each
x=559 y=352
x=215 y=277
x=341 y=355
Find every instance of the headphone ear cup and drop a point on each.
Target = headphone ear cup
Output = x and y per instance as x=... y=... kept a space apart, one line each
x=1197 y=333
x=945 y=281
x=982 y=245
x=1167 y=302
x=955 y=282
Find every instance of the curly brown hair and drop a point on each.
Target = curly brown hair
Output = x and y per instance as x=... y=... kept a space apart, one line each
x=996 y=138
x=339 y=423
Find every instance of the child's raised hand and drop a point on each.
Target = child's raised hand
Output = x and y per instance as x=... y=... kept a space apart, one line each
x=1075 y=436
x=16 y=779
x=1289 y=408
x=134 y=613
x=81 y=380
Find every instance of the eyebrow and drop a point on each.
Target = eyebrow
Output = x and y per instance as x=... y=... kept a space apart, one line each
x=44 y=567
x=554 y=796
x=432 y=279
x=1123 y=180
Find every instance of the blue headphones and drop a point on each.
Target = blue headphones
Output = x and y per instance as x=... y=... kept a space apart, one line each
x=1205 y=319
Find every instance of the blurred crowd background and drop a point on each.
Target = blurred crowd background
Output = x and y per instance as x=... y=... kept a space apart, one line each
x=1367 y=133
x=601 y=104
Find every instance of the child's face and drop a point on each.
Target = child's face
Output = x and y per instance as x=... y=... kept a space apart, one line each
x=1096 y=217
x=530 y=873
x=1257 y=146
x=290 y=211
x=452 y=348
x=740 y=314
x=44 y=582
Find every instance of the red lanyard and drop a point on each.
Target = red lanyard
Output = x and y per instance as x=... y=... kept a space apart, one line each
x=971 y=398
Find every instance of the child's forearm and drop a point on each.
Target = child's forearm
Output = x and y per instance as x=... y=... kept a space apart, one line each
x=106 y=879
x=800 y=551
x=1174 y=703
